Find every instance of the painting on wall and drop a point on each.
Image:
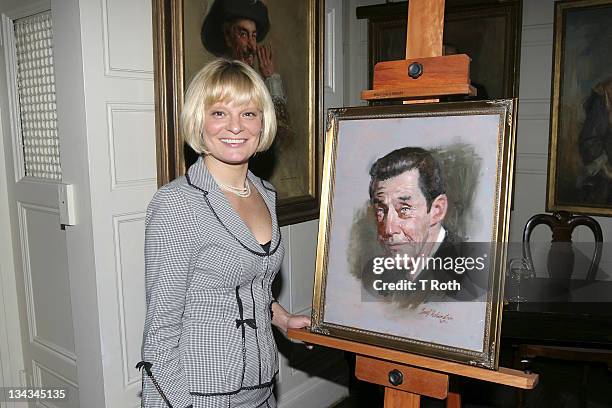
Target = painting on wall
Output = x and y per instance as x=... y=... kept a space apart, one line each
x=415 y=206
x=580 y=149
x=282 y=41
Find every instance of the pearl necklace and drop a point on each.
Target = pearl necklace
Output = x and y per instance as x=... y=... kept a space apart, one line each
x=243 y=192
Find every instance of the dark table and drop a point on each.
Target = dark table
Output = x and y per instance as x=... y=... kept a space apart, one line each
x=559 y=312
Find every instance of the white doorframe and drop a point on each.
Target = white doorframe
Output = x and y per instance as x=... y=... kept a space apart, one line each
x=11 y=353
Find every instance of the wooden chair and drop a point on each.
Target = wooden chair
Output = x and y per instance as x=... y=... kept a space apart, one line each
x=560 y=264
x=561 y=257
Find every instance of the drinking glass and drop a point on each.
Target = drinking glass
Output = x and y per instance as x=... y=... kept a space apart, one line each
x=518 y=269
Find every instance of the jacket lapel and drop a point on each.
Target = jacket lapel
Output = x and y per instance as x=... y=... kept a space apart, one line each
x=269 y=197
x=200 y=178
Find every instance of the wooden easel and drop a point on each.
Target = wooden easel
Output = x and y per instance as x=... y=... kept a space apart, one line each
x=422 y=77
x=432 y=75
x=406 y=377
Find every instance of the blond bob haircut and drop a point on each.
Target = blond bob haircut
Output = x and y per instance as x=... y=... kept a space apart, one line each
x=224 y=80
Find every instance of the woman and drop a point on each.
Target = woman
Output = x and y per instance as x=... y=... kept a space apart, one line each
x=212 y=249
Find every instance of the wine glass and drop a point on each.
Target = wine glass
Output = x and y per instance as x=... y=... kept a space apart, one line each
x=518 y=269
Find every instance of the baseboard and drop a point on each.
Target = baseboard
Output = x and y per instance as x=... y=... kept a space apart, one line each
x=313 y=393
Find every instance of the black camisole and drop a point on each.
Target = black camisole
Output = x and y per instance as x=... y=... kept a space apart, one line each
x=266 y=246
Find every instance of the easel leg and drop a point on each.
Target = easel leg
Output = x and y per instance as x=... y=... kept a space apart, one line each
x=453 y=400
x=401 y=399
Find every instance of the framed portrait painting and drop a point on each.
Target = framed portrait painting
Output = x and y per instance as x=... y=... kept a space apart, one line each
x=414 y=216
x=282 y=41
x=580 y=155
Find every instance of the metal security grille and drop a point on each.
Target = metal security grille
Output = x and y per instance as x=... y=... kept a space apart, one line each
x=36 y=90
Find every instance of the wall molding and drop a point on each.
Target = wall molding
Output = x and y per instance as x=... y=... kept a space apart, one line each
x=121 y=311
x=112 y=109
x=534 y=109
x=330 y=57
x=325 y=391
x=532 y=163
x=537 y=35
x=38 y=368
x=114 y=71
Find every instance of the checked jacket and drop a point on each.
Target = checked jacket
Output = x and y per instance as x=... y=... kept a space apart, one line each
x=208 y=293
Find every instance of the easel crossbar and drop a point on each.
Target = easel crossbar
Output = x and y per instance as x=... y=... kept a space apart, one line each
x=504 y=376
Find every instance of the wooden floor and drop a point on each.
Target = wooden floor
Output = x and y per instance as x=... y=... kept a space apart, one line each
x=352 y=402
x=348 y=402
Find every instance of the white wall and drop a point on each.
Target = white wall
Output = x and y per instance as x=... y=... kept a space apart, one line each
x=533 y=121
x=307 y=379
x=356 y=53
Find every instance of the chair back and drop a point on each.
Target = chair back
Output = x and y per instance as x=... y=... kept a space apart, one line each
x=562 y=225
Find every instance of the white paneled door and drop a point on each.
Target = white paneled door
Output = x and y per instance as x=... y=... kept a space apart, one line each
x=117 y=40
x=33 y=172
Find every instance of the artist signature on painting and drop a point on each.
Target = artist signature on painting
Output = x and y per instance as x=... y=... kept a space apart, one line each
x=442 y=317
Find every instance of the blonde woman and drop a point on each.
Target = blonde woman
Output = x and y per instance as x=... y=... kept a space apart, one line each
x=212 y=249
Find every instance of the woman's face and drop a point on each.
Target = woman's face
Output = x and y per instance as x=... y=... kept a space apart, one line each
x=232 y=132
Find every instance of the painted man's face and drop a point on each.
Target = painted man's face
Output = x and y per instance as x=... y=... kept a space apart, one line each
x=241 y=40
x=404 y=226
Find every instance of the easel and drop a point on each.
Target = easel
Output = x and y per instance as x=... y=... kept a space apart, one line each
x=406 y=377
x=425 y=73
x=422 y=77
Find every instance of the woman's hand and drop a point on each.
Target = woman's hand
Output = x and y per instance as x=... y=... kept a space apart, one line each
x=298 y=322
x=285 y=320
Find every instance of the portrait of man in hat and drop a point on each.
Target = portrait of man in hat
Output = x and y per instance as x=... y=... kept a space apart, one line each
x=272 y=36
x=235 y=29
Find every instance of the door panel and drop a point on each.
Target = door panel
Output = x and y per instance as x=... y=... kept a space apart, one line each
x=43 y=248
x=52 y=379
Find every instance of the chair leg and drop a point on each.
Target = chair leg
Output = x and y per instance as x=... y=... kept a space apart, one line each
x=584 y=386
x=520 y=398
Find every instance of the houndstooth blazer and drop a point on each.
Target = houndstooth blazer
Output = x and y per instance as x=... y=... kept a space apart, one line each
x=208 y=293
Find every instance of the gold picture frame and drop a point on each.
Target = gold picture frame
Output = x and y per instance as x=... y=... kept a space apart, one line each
x=296 y=38
x=579 y=169
x=474 y=143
